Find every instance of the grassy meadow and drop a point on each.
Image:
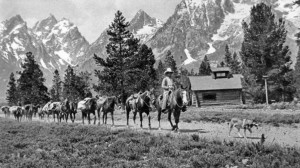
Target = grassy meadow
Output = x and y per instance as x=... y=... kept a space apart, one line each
x=36 y=144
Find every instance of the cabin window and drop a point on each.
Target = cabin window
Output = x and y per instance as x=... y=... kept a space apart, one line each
x=221 y=74
x=210 y=96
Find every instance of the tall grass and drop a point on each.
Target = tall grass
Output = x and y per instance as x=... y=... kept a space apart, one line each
x=71 y=145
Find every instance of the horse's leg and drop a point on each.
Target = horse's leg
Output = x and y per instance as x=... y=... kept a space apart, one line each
x=127 y=116
x=169 y=118
x=95 y=118
x=112 y=118
x=74 y=117
x=149 y=120
x=82 y=115
x=67 y=116
x=176 y=116
x=103 y=117
x=99 y=114
x=106 y=117
x=159 y=117
x=89 y=118
x=134 y=116
x=141 y=118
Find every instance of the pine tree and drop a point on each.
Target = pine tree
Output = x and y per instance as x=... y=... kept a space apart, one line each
x=143 y=66
x=205 y=67
x=11 y=93
x=297 y=73
x=56 y=90
x=297 y=2
x=31 y=86
x=228 y=57
x=263 y=53
x=69 y=84
x=170 y=62
x=235 y=65
x=83 y=85
x=119 y=68
x=221 y=64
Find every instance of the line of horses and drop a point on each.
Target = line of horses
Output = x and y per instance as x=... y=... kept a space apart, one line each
x=144 y=102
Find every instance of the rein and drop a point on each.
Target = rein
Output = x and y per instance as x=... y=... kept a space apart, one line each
x=145 y=101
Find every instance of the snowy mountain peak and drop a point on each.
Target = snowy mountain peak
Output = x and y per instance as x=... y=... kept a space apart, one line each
x=144 y=26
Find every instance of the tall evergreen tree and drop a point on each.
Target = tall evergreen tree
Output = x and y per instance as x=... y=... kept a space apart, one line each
x=56 y=90
x=170 y=62
x=263 y=53
x=221 y=64
x=11 y=92
x=227 y=57
x=83 y=85
x=124 y=67
x=31 y=86
x=235 y=64
x=143 y=66
x=69 y=84
x=297 y=65
x=204 y=67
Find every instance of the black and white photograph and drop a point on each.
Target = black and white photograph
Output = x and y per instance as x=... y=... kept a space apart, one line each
x=149 y=83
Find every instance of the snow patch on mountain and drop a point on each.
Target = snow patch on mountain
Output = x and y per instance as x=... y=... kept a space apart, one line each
x=189 y=59
x=50 y=63
x=64 y=55
x=211 y=49
x=291 y=11
x=241 y=12
x=43 y=63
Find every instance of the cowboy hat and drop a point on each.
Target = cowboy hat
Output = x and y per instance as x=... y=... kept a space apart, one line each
x=169 y=70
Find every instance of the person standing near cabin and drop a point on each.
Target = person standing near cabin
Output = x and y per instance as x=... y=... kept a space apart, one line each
x=167 y=85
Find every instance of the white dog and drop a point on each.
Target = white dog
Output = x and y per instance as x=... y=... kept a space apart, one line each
x=242 y=124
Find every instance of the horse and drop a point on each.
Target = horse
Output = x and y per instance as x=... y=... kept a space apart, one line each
x=55 y=109
x=143 y=105
x=5 y=110
x=88 y=106
x=41 y=113
x=72 y=111
x=178 y=102
x=109 y=107
x=29 y=110
x=46 y=111
x=17 y=111
x=64 y=110
x=130 y=105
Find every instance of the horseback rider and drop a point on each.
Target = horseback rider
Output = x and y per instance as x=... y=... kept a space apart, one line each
x=168 y=86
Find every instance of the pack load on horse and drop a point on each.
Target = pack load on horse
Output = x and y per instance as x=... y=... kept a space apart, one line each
x=5 y=110
x=174 y=100
x=142 y=103
x=45 y=111
x=17 y=111
x=87 y=107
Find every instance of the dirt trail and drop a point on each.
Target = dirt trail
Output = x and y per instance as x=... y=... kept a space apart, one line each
x=283 y=135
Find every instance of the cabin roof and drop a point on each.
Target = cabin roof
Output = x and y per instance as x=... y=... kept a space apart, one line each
x=220 y=69
x=203 y=83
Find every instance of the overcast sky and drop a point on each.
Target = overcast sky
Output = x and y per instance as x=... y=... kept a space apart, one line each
x=91 y=16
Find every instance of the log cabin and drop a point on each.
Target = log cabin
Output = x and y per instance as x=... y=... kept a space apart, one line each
x=220 y=88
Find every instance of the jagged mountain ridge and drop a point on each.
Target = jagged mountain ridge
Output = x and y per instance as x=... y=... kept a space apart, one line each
x=203 y=27
x=197 y=28
x=142 y=26
x=55 y=45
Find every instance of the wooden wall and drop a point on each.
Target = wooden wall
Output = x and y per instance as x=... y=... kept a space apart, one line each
x=222 y=97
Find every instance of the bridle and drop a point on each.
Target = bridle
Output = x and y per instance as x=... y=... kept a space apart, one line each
x=147 y=95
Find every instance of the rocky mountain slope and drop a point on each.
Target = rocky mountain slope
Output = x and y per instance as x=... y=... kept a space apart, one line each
x=142 y=26
x=195 y=29
x=55 y=45
x=203 y=27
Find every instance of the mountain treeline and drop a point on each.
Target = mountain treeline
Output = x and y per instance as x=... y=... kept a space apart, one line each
x=29 y=88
